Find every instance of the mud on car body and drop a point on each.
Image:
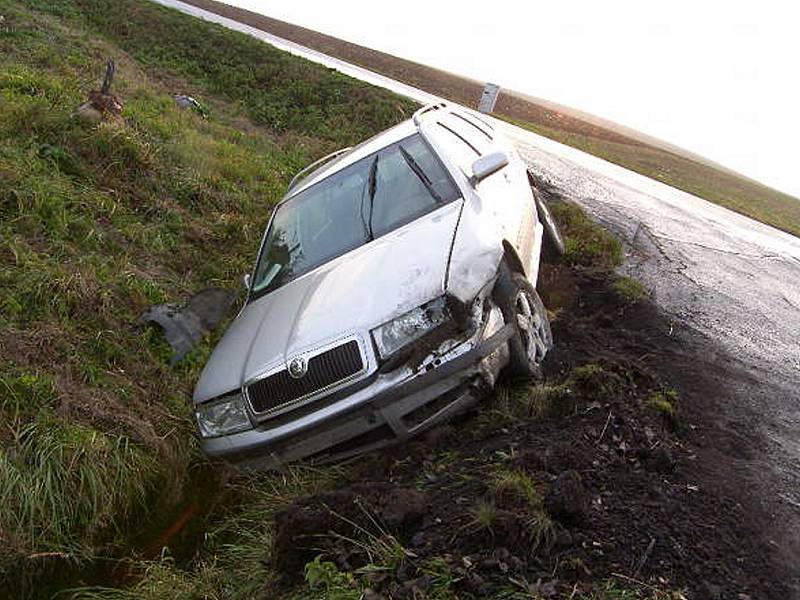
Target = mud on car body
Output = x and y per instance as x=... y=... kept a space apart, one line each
x=392 y=286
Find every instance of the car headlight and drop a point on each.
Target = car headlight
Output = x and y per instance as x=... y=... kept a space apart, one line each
x=406 y=328
x=223 y=416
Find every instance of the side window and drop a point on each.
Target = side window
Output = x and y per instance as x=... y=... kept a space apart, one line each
x=457 y=148
x=479 y=126
x=409 y=182
x=476 y=138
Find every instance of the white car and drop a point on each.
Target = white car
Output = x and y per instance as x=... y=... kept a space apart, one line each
x=392 y=286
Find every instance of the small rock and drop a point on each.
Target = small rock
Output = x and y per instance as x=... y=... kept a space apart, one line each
x=660 y=460
x=566 y=499
x=401 y=506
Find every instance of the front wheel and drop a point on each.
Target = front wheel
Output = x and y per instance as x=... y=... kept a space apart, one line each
x=532 y=338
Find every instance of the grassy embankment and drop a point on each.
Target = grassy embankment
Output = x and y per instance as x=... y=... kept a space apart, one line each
x=98 y=222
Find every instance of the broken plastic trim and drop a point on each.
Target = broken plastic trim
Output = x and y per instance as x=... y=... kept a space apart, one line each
x=185 y=326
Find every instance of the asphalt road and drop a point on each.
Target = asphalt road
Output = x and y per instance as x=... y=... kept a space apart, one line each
x=712 y=270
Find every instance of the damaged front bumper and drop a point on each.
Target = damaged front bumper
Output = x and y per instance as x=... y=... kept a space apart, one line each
x=386 y=409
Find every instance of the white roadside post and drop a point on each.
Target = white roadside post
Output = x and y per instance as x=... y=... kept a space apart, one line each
x=488 y=98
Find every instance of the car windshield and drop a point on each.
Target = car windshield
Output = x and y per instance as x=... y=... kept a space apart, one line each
x=363 y=201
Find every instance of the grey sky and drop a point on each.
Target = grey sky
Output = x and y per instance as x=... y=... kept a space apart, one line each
x=717 y=78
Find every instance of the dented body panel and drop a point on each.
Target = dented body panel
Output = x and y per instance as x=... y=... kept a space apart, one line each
x=304 y=361
x=347 y=296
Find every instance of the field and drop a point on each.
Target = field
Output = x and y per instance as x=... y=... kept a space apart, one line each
x=605 y=139
x=553 y=490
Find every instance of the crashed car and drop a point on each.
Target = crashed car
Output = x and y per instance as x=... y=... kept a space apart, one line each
x=394 y=282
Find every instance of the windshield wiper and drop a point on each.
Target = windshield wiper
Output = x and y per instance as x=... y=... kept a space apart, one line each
x=372 y=184
x=420 y=174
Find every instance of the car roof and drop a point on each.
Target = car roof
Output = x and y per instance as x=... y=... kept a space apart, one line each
x=385 y=138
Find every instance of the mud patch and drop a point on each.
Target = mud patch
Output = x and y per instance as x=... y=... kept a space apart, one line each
x=619 y=468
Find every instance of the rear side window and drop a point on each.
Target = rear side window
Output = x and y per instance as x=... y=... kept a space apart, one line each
x=479 y=127
x=409 y=182
x=457 y=147
x=476 y=138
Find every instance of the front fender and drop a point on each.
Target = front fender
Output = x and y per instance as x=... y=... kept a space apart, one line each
x=477 y=250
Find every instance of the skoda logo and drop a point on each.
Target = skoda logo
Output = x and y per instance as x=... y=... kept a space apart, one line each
x=298 y=367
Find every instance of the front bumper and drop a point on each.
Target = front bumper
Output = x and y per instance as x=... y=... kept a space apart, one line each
x=371 y=417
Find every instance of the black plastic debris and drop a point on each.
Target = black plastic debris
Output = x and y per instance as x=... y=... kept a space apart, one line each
x=185 y=326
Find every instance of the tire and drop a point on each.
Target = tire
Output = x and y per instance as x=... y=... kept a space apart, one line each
x=521 y=305
x=552 y=243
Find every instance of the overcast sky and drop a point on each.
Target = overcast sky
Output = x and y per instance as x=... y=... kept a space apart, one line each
x=717 y=78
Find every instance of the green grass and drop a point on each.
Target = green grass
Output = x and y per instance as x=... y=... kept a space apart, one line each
x=587 y=244
x=664 y=403
x=99 y=222
x=233 y=563
x=273 y=88
x=629 y=290
x=516 y=405
x=482 y=516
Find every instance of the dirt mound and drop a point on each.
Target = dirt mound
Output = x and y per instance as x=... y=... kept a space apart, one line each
x=566 y=499
x=321 y=523
x=599 y=475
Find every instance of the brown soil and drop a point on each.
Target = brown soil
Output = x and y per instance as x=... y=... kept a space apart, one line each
x=635 y=494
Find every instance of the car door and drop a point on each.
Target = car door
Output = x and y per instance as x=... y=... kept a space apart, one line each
x=511 y=204
x=529 y=231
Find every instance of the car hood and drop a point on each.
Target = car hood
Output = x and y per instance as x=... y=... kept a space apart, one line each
x=351 y=294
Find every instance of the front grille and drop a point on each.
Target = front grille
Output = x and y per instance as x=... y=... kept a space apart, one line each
x=324 y=370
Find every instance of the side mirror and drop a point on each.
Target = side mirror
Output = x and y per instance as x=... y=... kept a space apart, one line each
x=487 y=165
x=246 y=282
